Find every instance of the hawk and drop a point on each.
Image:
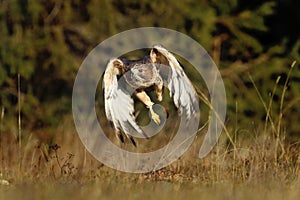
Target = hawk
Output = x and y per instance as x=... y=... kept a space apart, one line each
x=143 y=75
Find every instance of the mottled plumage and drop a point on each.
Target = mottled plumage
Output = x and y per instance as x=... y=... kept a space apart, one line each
x=142 y=74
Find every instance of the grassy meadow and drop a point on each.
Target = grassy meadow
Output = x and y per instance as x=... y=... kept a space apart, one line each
x=67 y=171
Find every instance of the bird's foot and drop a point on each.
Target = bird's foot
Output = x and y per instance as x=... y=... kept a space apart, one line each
x=154 y=116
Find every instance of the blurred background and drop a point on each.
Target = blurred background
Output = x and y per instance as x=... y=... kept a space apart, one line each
x=252 y=42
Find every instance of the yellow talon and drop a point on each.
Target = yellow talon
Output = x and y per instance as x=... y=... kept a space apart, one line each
x=154 y=116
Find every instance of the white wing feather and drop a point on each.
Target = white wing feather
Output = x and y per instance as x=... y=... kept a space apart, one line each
x=119 y=106
x=181 y=89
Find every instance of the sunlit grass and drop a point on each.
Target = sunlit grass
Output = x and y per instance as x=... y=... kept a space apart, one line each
x=67 y=172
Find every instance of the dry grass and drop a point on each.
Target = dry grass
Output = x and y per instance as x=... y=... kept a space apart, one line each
x=66 y=170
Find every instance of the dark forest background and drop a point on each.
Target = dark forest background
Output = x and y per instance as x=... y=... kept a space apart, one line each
x=45 y=42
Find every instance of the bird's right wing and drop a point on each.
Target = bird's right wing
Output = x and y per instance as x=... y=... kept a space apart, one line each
x=119 y=106
x=181 y=89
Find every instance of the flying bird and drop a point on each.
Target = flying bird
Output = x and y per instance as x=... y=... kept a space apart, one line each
x=147 y=73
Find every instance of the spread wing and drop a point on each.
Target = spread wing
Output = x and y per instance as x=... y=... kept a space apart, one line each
x=181 y=88
x=119 y=106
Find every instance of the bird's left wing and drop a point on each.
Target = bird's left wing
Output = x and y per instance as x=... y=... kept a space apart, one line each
x=181 y=88
x=119 y=106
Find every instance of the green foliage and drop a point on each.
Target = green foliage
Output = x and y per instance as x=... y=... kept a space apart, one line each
x=46 y=41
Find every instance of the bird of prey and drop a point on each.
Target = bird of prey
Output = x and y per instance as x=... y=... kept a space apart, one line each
x=141 y=75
